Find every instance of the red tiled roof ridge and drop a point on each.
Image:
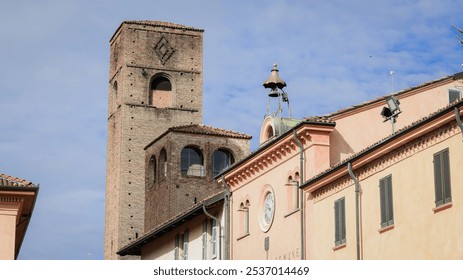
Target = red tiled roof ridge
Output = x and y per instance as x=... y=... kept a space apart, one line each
x=11 y=181
x=319 y=119
x=206 y=129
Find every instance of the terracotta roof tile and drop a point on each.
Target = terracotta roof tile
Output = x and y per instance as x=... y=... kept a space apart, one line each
x=10 y=181
x=208 y=130
x=319 y=119
x=201 y=129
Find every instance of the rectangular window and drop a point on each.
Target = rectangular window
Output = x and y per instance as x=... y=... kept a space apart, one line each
x=339 y=222
x=177 y=249
x=204 y=240
x=454 y=95
x=385 y=198
x=214 y=238
x=185 y=245
x=442 y=177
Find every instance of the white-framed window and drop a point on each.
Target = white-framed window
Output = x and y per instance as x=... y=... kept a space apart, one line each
x=214 y=238
x=177 y=247
x=454 y=95
x=185 y=245
x=204 y=240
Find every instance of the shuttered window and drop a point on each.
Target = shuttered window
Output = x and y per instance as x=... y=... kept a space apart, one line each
x=185 y=245
x=214 y=238
x=454 y=95
x=177 y=249
x=204 y=240
x=442 y=177
x=339 y=222
x=385 y=197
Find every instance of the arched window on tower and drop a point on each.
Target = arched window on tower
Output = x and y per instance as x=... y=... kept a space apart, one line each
x=115 y=88
x=221 y=159
x=163 y=163
x=192 y=162
x=160 y=92
x=152 y=171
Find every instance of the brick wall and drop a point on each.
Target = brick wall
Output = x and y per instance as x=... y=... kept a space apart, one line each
x=133 y=123
x=170 y=196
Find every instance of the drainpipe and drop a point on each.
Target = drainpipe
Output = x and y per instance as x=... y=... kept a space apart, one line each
x=220 y=229
x=226 y=218
x=301 y=199
x=357 y=208
x=457 y=117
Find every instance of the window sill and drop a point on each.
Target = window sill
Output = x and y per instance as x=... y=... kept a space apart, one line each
x=339 y=247
x=442 y=207
x=384 y=229
x=292 y=212
x=243 y=236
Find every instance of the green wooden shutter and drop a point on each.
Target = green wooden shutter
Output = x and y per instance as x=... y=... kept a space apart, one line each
x=343 y=221
x=389 y=204
x=447 y=196
x=336 y=223
x=339 y=222
x=382 y=199
x=438 y=179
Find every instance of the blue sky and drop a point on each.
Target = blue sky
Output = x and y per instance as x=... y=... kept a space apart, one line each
x=54 y=83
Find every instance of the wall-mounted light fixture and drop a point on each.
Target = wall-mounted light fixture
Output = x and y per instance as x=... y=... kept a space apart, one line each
x=392 y=110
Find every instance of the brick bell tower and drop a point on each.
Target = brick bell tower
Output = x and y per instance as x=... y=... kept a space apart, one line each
x=155 y=82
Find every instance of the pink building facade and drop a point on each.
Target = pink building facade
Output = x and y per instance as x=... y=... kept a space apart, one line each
x=17 y=200
x=280 y=205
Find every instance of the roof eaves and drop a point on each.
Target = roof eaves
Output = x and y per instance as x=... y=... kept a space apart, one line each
x=383 y=142
x=269 y=144
x=135 y=247
x=456 y=76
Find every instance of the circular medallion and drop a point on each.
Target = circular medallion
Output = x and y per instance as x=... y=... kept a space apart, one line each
x=267 y=209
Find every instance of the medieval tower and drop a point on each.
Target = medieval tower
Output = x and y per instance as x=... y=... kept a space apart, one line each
x=155 y=82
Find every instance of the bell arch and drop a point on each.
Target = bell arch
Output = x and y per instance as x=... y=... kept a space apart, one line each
x=161 y=91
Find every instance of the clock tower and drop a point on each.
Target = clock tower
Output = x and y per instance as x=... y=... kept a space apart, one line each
x=155 y=82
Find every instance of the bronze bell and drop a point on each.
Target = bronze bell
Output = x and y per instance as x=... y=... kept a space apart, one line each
x=274 y=82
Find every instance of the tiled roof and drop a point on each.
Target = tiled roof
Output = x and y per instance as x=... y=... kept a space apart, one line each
x=319 y=119
x=399 y=132
x=202 y=130
x=10 y=181
x=382 y=98
x=208 y=130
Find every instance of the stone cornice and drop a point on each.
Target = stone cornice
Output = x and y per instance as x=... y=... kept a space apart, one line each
x=274 y=154
x=386 y=160
x=385 y=147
